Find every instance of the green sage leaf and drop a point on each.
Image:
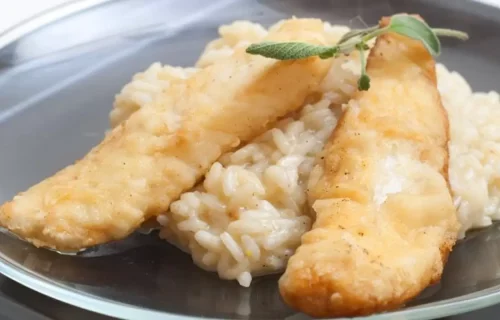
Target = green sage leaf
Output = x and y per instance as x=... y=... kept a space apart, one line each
x=291 y=50
x=440 y=32
x=364 y=79
x=414 y=28
x=403 y=24
x=364 y=82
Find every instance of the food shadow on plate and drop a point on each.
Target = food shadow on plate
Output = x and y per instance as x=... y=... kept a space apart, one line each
x=143 y=266
x=147 y=272
x=45 y=308
x=473 y=266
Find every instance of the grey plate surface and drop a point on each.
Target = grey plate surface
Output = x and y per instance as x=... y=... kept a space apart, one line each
x=57 y=86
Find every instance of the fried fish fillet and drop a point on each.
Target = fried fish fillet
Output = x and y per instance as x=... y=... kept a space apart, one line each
x=146 y=162
x=385 y=220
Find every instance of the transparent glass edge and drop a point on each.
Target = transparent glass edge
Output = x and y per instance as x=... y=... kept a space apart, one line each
x=74 y=297
x=44 y=18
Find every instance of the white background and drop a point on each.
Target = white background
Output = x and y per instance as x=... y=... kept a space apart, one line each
x=15 y=11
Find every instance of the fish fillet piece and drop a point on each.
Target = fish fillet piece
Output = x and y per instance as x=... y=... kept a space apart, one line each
x=144 y=86
x=145 y=163
x=385 y=220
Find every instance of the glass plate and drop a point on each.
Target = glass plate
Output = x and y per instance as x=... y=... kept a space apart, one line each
x=57 y=84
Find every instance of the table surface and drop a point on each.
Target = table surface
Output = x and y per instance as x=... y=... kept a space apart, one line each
x=19 y=302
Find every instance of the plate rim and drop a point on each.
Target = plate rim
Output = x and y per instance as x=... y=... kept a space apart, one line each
x=46 y=286
x=44 y=18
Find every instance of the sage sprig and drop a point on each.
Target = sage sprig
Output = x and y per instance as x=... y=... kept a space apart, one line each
x=402 y=24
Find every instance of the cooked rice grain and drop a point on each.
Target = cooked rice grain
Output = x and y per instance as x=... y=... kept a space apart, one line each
x=249 y=214
x=474 y=149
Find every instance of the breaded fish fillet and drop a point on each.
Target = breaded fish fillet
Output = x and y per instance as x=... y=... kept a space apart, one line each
x=145 y=163
x=385 y=218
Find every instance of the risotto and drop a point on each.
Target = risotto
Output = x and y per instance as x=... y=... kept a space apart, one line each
x=247 y=217
x=474 y=149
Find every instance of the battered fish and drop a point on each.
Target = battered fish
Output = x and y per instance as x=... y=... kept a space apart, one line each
x=385 y=219
x=145 y=163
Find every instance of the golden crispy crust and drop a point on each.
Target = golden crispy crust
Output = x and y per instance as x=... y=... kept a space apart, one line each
x=160 y=151
x=385 y=220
